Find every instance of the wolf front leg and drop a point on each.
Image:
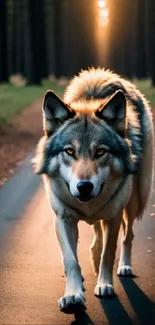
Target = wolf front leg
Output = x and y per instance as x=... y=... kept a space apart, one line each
x=104 y=287
x=74 y=300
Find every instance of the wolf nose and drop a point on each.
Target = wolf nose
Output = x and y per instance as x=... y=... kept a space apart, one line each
x=85 y=187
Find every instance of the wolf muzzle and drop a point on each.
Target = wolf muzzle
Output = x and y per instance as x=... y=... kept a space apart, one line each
x=85 y=188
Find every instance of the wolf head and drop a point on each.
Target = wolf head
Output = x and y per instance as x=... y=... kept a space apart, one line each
x=85 y=143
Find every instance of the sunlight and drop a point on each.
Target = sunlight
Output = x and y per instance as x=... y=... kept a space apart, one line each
x=103 y=13
x=101 y=4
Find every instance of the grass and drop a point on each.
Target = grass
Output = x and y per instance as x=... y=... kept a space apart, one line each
x=13 y=98
x=145 y=87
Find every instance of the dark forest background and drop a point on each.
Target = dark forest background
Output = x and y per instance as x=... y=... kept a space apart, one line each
x=39 y=38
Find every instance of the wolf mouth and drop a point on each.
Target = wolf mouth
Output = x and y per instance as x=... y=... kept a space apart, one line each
x=88 y=198
x=84 y=199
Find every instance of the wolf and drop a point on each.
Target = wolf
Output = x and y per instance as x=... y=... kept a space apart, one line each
x=96 y=158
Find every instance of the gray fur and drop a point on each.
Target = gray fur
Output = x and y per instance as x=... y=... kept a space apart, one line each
x=102 y=111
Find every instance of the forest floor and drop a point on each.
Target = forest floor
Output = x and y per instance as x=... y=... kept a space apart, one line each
x=16 y=95
x=20 y=128
x=20 y=123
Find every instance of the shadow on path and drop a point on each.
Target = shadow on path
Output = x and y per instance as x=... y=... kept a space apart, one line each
x=82 y=319
x=142 y=305
x=115 y=312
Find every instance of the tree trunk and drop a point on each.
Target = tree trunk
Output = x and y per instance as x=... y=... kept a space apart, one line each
x=152 y=41
x=57 y=38
x=37 y=42
x=140 y=40
x=3 y=42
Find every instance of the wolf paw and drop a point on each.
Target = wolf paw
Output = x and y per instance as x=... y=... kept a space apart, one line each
x=125 y=270
x=104 y=290
x=72 y=304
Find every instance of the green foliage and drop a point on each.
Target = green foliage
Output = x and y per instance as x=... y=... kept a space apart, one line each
x=146 y=88
x=14 y=98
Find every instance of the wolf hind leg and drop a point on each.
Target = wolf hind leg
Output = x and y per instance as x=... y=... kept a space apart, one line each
x=96 y=247
x=124 y=267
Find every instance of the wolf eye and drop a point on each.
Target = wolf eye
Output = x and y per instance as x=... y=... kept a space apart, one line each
x=99 y=152
x=70 y=151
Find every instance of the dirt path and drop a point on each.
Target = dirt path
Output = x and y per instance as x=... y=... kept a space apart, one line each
x=31 y=272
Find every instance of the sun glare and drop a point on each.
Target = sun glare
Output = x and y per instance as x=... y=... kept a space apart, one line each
x=103 y=13
x=101 y=4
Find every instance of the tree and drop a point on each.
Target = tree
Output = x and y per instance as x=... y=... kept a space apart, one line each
x=37 y=41
x=3 y=42
x=57 y=38
x=140 y=40
x=77 y=36
x=152 y=40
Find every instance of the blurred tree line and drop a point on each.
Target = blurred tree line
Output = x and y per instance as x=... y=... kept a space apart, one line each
x=60 y=37
x=43 y=37
x=130 y=38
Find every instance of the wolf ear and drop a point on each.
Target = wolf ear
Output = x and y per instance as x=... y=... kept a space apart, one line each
x=114 y=112
x=55 y=112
